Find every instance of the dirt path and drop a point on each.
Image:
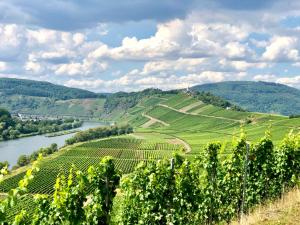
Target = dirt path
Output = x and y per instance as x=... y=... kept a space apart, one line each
x=189 y=107
x=177 y=140
x=153 y=120
x=216 y=117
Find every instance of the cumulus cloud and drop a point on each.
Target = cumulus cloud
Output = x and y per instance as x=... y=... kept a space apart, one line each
x=44 y=52
x=85 y=68
x=265 y=77
x=184 y=39
x=221 y=40
x=292 y=81
x=134 y=82
x=282 y=49
x=3 y=66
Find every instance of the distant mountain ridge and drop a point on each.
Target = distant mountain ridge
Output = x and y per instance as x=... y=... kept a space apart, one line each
x=29 y=96
x=259 y=96
x=12 y=86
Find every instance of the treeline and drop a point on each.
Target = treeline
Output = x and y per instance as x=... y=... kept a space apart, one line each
x=12 y=128
x=209 y=98
x=124 y=100
x=213 y=188
x=99 y=132
x=24 y=160
x=11 y=86
x=294 y=116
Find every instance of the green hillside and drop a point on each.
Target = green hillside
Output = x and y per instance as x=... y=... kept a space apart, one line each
x=257 y=96
x=11 y=86
x=44 y=98
x=187 y=118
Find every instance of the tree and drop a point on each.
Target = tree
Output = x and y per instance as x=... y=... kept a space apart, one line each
x=23 y=160
x=4 y=164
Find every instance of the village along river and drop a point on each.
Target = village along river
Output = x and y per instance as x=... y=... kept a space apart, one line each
x=11 y=150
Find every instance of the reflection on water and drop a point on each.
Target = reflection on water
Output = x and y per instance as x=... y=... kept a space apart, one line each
x=12 y=149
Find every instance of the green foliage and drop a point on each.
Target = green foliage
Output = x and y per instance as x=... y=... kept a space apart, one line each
x=294 y=116
x=213 y=191
x=209 y=98
x=257 y=96
x=99 y=132
x=206 y=190
x=106 y=179
x=124 y=101
x=23 y=160
x=15 y=194
x=4 y=164
x=12 y=128
x=10 y=86
x=72 y=203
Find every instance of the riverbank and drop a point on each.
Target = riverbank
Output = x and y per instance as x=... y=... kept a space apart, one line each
x=12 y=149
x=47 y=134
x=60 y=133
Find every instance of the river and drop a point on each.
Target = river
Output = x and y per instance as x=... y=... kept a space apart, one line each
x=11 y=150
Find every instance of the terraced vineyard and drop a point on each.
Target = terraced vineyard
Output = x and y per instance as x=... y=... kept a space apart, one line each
x=198 y=123
x=127 y=153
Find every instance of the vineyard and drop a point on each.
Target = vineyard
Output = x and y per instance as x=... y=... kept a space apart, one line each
x=127 y=153
x=209 y=189
x=209 y=184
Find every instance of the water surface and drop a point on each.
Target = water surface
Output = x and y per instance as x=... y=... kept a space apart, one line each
x=11 y=150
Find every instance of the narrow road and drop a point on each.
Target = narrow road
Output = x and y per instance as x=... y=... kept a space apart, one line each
x=153 y=120
x=216 y=117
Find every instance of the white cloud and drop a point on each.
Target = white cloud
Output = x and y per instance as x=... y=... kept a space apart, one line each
x=236 y=50
x=292 y=81
x=265 y=77
x=164 y=42
x=181 y=39
x=208 y=47
x=11 y=41
x=85 y=68
x=281 y=49
x=33 y=67
x=186 y=64
x=241 y=65
x=133 y=81
x=3 y=66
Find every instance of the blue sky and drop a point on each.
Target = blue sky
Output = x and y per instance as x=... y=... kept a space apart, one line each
x=129 y=45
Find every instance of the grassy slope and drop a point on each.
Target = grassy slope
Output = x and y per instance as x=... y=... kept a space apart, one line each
x=205 y=123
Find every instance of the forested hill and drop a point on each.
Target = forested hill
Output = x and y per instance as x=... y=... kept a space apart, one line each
x=10 y=86
x=257 y=96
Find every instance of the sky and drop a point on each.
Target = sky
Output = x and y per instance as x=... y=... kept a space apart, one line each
x=130 y=45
